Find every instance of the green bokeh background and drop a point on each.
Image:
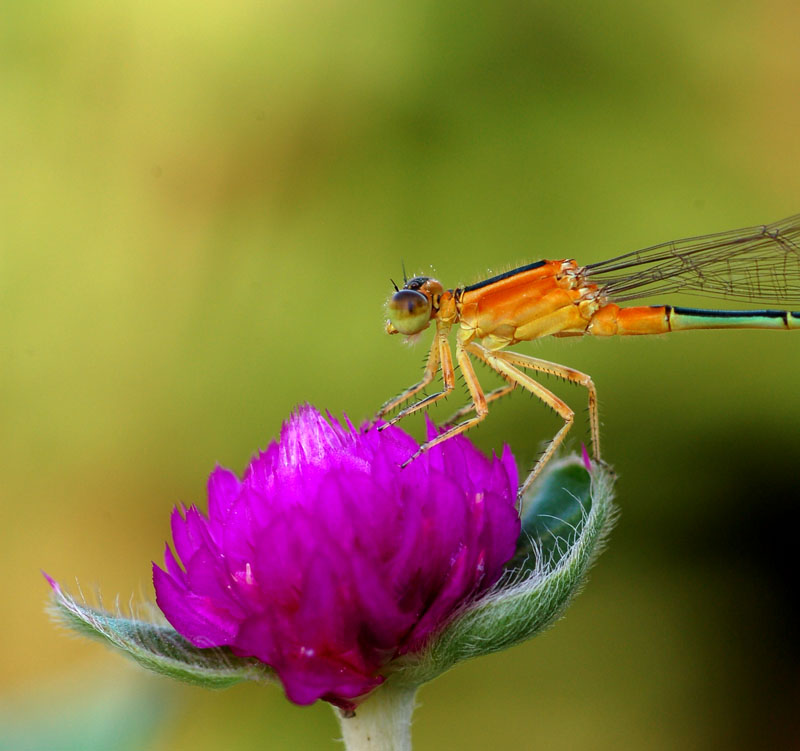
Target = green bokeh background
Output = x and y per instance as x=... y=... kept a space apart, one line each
x=200 y=209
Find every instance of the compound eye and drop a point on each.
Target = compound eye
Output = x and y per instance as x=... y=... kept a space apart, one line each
x=409 y=311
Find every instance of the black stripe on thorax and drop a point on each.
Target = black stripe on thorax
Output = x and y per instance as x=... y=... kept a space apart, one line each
x=500 y=277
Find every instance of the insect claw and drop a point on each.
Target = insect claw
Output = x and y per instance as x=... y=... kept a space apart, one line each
x=606 y=466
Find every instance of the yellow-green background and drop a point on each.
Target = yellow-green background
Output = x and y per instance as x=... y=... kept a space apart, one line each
x=201 y=205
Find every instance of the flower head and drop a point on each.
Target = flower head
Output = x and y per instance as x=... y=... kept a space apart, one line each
x=326 y=560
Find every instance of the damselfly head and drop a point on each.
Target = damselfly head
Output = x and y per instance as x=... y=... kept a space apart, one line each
x=410 y=309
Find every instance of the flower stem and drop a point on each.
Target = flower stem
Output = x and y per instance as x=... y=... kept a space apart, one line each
x=382 y=722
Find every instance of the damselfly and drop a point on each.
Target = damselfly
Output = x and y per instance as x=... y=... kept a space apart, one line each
x=560 y=298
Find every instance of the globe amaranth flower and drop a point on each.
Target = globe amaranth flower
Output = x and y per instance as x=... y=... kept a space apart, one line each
x=327 y=560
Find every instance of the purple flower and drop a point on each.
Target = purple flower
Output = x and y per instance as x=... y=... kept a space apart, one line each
x=326 y=560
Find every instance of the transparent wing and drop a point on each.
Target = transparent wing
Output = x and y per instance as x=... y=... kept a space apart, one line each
x=755 y=264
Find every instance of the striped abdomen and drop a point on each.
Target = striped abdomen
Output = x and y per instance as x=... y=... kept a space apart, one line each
x=612 y=320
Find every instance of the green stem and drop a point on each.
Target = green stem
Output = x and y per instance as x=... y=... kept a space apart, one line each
x=382 y=722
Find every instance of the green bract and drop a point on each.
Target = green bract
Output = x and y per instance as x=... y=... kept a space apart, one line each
x=158 y=646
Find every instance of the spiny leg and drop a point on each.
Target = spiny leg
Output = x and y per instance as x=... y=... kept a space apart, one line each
x=431 y=369
x=508 y=371
x=478 y=404
x=445 y=359
x=490 y=397
x=568 y=374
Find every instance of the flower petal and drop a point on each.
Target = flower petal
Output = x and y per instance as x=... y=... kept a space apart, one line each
x=327 y=560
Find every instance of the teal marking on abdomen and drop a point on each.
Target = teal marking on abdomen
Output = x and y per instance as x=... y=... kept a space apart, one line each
x=694 y=318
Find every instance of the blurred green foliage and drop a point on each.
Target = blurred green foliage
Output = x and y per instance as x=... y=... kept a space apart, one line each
x=88 y=711
x=200 y=210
